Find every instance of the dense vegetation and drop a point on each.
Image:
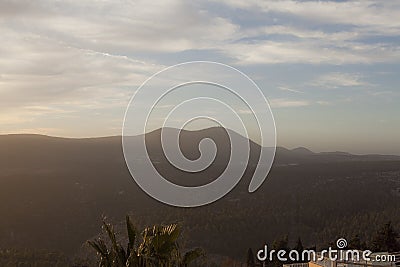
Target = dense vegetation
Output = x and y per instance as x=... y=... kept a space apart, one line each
x=63 y=187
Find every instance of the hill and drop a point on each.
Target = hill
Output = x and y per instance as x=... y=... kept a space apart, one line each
x=53 y=192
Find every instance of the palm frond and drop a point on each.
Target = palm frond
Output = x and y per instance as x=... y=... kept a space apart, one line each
x=192 y=255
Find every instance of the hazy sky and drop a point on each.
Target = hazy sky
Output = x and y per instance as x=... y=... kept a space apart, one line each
x=329 y=69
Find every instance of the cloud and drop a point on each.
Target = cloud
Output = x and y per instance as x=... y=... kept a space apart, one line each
x=157 y=27
x=318 y=32
x=244 y=111
x=37 y=70
x=311 y=51
x=79 y=55
x=175 y=26
x=337 y=79
x=378 y=14
x=323 y=103
x=126 y=26
x=286 y=103
x=285 y=88
x=81 y=58
x=44 y=79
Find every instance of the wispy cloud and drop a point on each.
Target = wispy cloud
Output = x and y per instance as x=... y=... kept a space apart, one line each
x=38 y=71
x=285 y=88
x=341 y=40
x=337 y=79
x=378 y=14
x=323 y=103
x=287 y=103
x=84 y=58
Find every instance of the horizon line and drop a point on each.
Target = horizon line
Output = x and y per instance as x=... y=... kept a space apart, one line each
x=121 y=136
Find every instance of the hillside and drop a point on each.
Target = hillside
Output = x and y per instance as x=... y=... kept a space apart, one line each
x=53 y=192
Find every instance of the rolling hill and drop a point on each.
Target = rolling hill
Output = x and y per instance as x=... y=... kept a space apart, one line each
x=54 y=191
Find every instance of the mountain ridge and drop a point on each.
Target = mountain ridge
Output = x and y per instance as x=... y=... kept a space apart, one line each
x=297 y=150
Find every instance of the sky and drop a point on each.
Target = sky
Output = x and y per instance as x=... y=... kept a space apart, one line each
x=329 y=69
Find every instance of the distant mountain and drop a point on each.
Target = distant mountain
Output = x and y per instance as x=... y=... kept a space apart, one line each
x=54 y=191
x=190 y=139
x=302 y=151
x=17 y=149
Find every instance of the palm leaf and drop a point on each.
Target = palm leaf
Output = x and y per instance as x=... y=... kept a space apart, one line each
x=192 y=255
x=131 y=233
x=99 y=246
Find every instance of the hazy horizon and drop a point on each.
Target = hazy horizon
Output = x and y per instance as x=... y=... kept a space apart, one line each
x=192 y=130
